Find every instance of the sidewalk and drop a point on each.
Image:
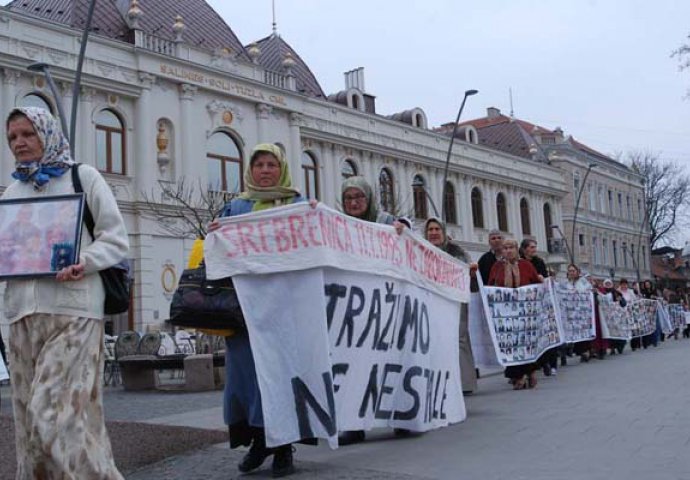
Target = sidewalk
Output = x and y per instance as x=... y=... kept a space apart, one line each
x=624 y=417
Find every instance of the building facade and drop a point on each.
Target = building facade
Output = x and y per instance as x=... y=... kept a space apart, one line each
x=161 y=101
x=603 y=226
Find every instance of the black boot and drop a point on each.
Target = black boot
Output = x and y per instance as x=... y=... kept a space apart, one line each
x=256 y=455
x=350 y=437
x=282 y=461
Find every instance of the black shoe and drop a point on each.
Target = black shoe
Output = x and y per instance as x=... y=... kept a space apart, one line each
x=547 y=371
x=620 y=350
x=350 y=437
x=255 y=457
x=282 y=461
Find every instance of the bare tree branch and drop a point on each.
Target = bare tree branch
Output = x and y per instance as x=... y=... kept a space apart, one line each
x=666 y=191
x=183 y=209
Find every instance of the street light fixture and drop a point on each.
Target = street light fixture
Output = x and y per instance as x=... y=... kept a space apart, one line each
x=418 y=183
x=44 y=68
x=577 y=206
x=468 y=93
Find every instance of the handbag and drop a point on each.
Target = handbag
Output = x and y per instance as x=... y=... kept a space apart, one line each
x=201 y=303
x=116 y=281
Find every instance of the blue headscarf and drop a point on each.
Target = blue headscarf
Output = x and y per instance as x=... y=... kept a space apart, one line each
x=56 y=158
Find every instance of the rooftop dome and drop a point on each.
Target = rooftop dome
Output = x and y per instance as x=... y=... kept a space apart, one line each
x=204 y=28
x=274 y=50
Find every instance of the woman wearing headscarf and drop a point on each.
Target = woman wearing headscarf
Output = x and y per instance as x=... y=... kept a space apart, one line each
x=357 y=200
x=515 y=272
x=267 y=184
x=435 y=233
x=56 y=345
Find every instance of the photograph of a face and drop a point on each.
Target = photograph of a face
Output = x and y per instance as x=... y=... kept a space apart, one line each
x=39 y=236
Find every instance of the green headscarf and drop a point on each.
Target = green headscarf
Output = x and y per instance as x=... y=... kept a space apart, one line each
x=267 y=197
x=371 y=214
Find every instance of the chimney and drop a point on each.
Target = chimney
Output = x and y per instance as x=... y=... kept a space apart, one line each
x=493 y=112
x=355 y=79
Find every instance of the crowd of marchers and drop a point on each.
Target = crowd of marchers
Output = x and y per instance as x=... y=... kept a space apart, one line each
x=56 y=352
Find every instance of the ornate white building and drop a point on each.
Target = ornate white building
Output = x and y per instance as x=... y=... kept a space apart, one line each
x=169 y=92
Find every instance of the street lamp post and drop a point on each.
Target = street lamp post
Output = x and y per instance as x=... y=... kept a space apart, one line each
x=77 y=79
x=577 y=206
x=44 y=68
x=417 y=183
x=468 y=93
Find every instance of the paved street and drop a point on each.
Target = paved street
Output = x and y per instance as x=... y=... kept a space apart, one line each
x=622 y=418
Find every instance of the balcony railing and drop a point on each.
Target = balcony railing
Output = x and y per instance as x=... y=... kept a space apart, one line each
x=154 y=43
x=275 y=79
x=557 y=246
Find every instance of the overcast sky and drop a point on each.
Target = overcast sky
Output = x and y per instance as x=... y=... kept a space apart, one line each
x=599 y=69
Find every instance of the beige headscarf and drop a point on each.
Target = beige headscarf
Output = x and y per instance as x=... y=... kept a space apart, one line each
x=267 y=197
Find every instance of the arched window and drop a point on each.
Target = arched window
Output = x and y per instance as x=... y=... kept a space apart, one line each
x=502 y=212
x=449 y=204
x=419 y=194
x=311 y=176
x=387 y=190
x=224 y=161
x=36 y=100
x=110 y=143
x=524 y=217
x=548 y=221
x=477 y=208
x=349 y=169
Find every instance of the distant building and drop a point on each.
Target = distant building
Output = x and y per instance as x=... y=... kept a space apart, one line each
x=671 y=267
x=170 y=92
x=612 y=234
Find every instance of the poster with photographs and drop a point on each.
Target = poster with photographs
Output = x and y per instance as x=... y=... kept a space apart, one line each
x=575 y=308
x=616 y=323
x=522 y=322
x=39 y=236
x=643 y=313
x=676 y=314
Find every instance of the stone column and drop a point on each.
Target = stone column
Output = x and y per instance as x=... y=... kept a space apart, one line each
x=514 y=214
x=10 y=78
x=295 y=152
x=86 y=135
x=189 y=167
x=465 y=208
x=143 y=165
x=263 y=112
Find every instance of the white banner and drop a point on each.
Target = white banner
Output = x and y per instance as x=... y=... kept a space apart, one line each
x=482 y=345
x=299 y=237
x=664 y=318
x=636 y=319
x=522 y=322
x=4 y=374
x=575 y=310
x=337 y=344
